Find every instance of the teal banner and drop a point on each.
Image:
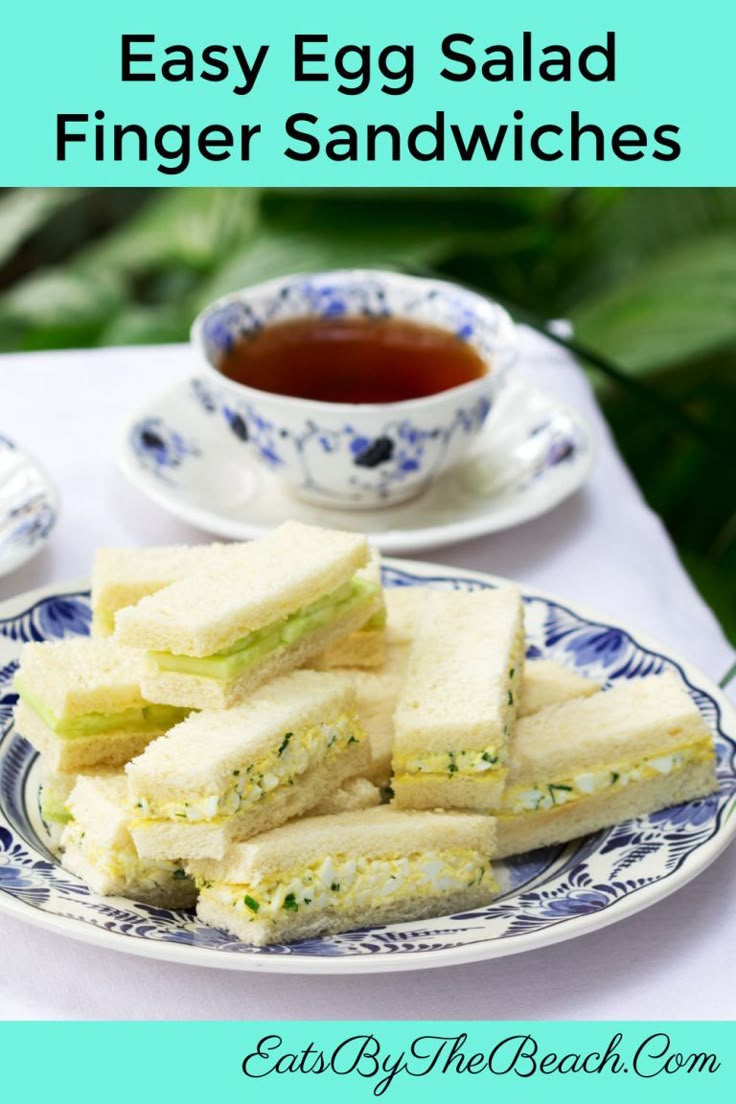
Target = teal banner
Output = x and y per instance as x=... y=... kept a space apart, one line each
x=325 y=1062
x=327 y=94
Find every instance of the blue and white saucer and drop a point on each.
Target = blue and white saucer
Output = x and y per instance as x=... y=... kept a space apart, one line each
x=532 y=453
x=548 y=895
x=29 y=506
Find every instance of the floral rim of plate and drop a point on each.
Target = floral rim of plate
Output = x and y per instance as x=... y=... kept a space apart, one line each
x=552 y=894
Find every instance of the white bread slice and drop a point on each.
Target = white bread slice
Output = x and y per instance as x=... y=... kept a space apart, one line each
x=80 y=753
x=56 y=786
x=275 y=576
x=404 y=611
x=210 y=839
x=547 y=683
x=353 y=795
x=99 y=804
x=362 y=648
x=80 y=675
x=381 y=833
x=457 y=676
x=634 y=719
x=525 y=832
x=460 y=690
x=123 y=576
x=97 y=847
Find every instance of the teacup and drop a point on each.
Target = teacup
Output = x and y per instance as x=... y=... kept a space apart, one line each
x=356 y=455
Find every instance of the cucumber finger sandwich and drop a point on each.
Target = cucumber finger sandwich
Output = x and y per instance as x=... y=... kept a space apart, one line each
x=213 y=638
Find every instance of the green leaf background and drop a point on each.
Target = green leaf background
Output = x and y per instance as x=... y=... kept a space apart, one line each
x=647 y=276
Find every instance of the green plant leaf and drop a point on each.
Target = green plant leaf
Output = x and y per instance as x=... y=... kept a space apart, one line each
x=24 y=211
x=57 y=308
x=677 y=307
x=195 y=227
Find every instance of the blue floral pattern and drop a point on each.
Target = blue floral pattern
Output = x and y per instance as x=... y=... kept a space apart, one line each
x=51 y=618
x=543 y=890
x=398 y=457
x=396 y=453
x=159 y=447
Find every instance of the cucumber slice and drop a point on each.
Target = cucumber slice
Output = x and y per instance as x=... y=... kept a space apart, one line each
x=233 y=661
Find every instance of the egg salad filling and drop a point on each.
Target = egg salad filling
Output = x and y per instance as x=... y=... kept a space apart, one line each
x=138 y=719
x=296 y=753
x=518 y=800
x=449 y=764
x=348 y=882
x=122 y=864
x=241 y=655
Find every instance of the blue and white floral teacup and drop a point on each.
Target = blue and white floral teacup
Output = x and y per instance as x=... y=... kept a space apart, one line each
x=357 y=455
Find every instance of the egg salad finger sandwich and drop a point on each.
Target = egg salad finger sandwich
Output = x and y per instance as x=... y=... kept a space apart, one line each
x=457 y=707
x=593 y=762
x=544 y=682
x=212 y=638
x=97 y=846
x=334 y=873
x=225 y=775
x=80 y=704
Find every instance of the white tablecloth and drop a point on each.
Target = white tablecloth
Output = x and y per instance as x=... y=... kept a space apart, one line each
x=603 y=547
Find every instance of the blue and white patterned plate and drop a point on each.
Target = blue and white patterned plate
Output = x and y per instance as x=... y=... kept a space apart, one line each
x=532 y=453
x=549 y=895
x=29 y=506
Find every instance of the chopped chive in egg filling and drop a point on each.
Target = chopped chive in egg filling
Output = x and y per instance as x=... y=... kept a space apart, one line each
x=254 y=782
x=449 y=763
x=348 y=882
x=238 y=657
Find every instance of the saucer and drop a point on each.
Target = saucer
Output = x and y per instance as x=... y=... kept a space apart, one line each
x=532 y=453
x=29 y=506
